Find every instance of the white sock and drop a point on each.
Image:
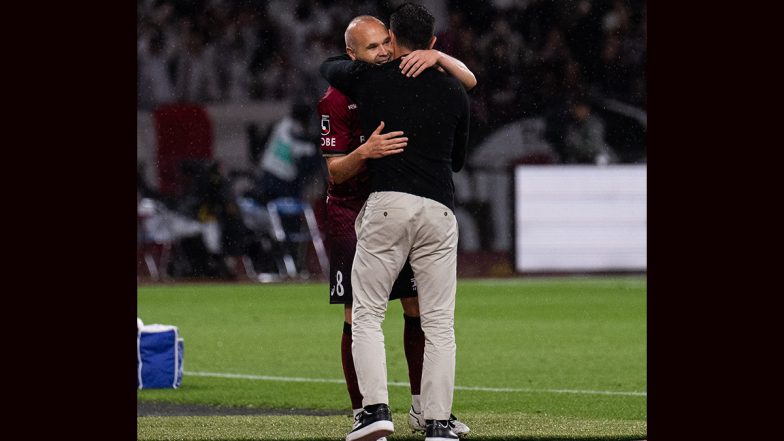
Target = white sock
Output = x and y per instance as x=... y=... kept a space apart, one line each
x=356 y=411
x=415 y=403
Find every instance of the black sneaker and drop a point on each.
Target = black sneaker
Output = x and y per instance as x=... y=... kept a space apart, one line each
x=439 y=430
x=370 y=426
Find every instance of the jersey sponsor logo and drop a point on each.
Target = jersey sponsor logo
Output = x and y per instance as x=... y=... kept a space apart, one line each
x=361 y=138
x=352 y=106
x=324 y=126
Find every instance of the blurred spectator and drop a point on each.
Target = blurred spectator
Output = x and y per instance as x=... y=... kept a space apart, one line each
x=236 y=56
x=208 y=198
x=555 y=51
x=584 y=142
x=197 y=76
x=534 y=20
x=265 y=57
x=573 y=83
x=155 y=82
x=502 y=84
x=269 y=70
x=501 y=31
x=617 y=20
x=615 y=73
x=289 y=156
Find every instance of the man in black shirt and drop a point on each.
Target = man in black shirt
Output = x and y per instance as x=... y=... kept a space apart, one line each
x=409 y=214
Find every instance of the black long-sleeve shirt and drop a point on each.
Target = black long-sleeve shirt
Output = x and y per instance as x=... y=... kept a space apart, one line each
x=433 y=112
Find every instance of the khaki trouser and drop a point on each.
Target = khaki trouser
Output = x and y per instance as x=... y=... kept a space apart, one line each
x=391 y=227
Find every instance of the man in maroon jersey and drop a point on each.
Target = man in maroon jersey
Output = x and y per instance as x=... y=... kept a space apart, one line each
x=345 y=150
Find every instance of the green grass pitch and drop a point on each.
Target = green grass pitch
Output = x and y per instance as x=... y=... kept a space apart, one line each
x=537 y=359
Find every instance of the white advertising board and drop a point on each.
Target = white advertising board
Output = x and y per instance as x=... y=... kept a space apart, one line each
x=580 y=218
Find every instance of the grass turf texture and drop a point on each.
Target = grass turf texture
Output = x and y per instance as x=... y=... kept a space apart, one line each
x=586 y=334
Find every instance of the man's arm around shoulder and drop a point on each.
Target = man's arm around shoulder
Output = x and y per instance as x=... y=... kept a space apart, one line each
x=342 y=73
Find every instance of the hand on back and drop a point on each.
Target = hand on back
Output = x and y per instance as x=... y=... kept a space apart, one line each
x=378 y=145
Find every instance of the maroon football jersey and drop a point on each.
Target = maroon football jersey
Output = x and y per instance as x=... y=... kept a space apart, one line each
x=341 y=134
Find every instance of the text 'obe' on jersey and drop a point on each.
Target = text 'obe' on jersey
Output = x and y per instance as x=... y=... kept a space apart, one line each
x=325 y=129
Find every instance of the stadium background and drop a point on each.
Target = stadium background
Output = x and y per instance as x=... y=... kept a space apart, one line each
x=213 y=77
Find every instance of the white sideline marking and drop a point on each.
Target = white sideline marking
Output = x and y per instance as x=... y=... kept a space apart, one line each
x=482 y=389
x=592 y=280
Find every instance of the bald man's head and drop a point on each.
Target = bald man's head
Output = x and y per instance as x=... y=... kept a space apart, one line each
x=367 y=39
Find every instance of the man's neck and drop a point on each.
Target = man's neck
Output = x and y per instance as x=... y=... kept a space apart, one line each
x=402 y=51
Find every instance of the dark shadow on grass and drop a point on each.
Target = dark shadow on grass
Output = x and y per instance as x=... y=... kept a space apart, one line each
x=160 y=408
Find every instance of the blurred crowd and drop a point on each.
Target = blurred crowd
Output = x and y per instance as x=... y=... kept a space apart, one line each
x=560 y=60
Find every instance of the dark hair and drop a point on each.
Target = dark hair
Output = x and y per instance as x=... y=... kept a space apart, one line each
x=413 y=26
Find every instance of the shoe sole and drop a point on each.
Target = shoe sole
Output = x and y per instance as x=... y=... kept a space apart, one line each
x=377 y=430
x=461 y=434
x=422 y=432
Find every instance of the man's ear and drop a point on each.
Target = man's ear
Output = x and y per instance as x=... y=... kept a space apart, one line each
x=351 y=53
x=432 y=42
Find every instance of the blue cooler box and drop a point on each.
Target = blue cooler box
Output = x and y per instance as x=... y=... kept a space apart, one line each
x=159 y=357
